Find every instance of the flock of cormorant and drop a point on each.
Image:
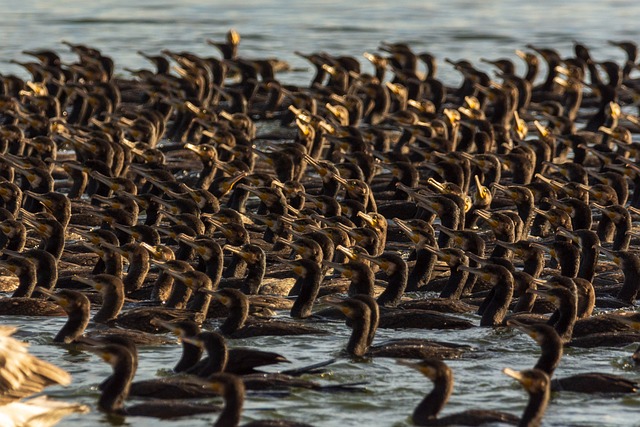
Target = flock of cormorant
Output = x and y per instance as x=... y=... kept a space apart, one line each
x=201 y=196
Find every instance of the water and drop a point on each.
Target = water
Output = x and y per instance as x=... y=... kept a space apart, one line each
x=455 y=29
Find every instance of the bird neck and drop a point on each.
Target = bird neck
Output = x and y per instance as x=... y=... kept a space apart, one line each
x=138 y=269
x=112 y=303
x=255 y=274
x=236 y=268
x=422 y=270
x=534 y=263
x=27 y=282
x=75 y=325
x=236 y=319
x=631 y=284
x=309 y=287
x=362 y=282
x=550 y=357
x=233 y=403
x=501 y=251
x=207 y=174
x=201 y=300
x=54 y=244
x=526 y=300
x=212 y=267
x=588 y=261
x=191 y=354
x=396 y=285
x=116 y=389
x=622 y=238
x=184 y=252
x=359 y=341
x=218 y=357
x=456 y=283
x=46 y=269
x=568 y=259
x=433 y=402
x=330 y=187
x=538 y=401
x=532 y=72
x=568 y=314
x=526 y=213
x=499 y=304
x=180 y=295
x=113 y=263
x=501 y=110
x=374 y=320
x=551 y=74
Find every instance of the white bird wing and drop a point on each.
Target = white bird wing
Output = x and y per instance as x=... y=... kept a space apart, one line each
x=22 y=374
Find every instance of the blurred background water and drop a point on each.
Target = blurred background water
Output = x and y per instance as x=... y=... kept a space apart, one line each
x=455 y=29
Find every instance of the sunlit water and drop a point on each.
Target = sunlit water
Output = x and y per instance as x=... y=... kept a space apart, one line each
x=455 y=29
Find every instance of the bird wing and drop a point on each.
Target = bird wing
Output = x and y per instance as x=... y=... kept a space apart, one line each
x=22 y=374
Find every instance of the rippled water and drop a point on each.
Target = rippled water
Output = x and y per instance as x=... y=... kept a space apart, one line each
x=455 y=29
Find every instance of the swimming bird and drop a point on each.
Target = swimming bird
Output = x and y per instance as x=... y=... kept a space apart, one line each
x=231 y=388
x=239 y=325
x=363 y=315
x=552 y=348
x=116 y=390
x=534 y=381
